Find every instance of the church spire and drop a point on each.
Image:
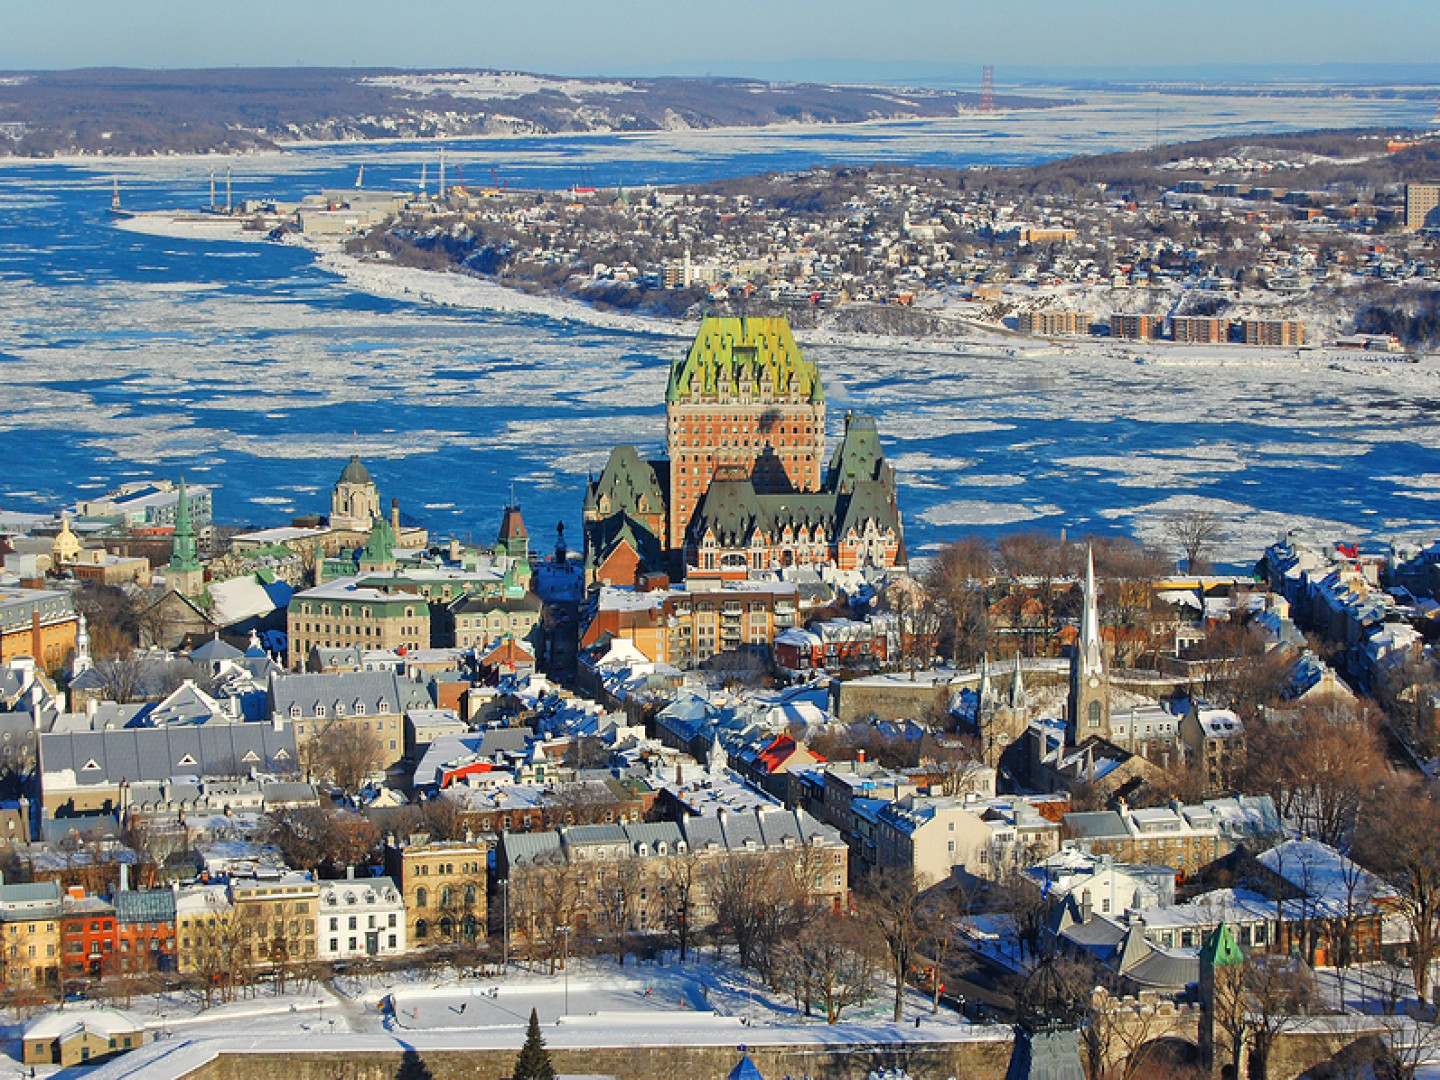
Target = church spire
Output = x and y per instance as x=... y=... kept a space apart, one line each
x=1090 y=652
x=183 y=556
x=1017 y=687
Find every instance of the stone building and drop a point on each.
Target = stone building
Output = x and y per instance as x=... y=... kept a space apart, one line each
x=346 y=612
x=443 y=885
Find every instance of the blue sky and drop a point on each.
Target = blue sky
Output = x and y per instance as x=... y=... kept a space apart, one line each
x=773 y=38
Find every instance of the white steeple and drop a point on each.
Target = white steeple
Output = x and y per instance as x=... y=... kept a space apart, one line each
x=718 y=760
x=1017 y=687
x=82 y=662
x=985 y=697
x=1089 y=650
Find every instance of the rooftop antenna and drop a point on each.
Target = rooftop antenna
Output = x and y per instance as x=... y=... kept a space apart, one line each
x=987 y=88
x=227 y=189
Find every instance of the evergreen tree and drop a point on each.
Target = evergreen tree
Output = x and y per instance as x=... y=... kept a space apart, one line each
x=534 y=1060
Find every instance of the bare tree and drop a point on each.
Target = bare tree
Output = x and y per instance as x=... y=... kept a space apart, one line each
x=679 y=895
x=346 y=754
x=1397 y=840
x=832 y=959
x=892 y=903
x=959 y=580
x=1195 y=533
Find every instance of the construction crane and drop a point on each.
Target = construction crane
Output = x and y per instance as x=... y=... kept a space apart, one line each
x=460 y=181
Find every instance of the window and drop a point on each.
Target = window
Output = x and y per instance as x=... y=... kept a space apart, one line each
x=422 y=899
x=1094 y=714
x=422 y=928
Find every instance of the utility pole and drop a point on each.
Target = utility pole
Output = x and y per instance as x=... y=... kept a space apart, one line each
x=505 y=925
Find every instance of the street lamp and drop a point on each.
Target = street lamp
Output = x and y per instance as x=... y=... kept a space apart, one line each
x=565 y=966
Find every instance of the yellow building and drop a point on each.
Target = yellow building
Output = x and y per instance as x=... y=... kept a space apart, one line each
x=203 y=932
x=37 y=623
x=30 y=918
x=80 y=1037
x=443 y=885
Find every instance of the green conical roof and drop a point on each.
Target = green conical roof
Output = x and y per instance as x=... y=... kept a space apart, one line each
x=1221 y=949
x=183 y=555
x=380 y=547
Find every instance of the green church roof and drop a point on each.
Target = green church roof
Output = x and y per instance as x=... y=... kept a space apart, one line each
x=1220 y=948
x=754 y=355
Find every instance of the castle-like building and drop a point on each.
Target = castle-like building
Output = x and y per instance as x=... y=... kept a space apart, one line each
x=743 y=488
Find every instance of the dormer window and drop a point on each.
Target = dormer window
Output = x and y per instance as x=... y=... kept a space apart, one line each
x=339 y=709
x=294 y=712
x=359 y=708
x=319 y=710
x=384 y=706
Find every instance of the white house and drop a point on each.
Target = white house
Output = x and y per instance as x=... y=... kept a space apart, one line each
x=362 y=917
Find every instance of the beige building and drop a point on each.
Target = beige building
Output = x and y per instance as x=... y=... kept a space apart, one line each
x=1422 y=201
x=274 y=917
x=343 y=613
x=370 y=703
x=934 y=837
x=443 y=886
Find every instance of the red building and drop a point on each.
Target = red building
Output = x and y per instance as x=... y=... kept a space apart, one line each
x=87 y=935
x=145 y=930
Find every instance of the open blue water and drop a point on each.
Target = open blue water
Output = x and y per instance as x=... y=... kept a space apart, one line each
x=247 y=366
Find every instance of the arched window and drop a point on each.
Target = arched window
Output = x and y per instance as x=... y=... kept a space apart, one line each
x=422 y=928
x=1094 y=714
x=447 y=927
x=422 y=898
x=469 y=928
x=445 y=897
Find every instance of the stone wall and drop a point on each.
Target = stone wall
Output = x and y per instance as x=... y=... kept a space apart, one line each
x=977 y=1060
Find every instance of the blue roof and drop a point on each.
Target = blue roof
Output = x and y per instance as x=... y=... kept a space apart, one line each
x=746 y=1070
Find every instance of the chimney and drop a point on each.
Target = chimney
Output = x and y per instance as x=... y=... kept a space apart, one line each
x=1085 y=908
x=860 y=757
x=395 y=516
x=35 y=649
x=124 y=885
x=349 y=873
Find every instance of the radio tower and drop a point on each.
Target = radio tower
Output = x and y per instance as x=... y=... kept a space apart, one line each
x=987 y=89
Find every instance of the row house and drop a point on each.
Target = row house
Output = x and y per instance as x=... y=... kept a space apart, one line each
x=649 y=877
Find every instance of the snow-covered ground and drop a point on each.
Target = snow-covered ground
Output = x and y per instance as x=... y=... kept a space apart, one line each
x=702 y=1002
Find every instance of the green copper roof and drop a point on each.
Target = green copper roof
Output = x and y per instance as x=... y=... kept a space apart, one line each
x=754 y=355
x=355 y=472
x=183 y=556
x=1220 y=948
x=380 y=547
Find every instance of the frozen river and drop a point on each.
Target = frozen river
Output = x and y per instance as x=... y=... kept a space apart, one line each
x=256 y=368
